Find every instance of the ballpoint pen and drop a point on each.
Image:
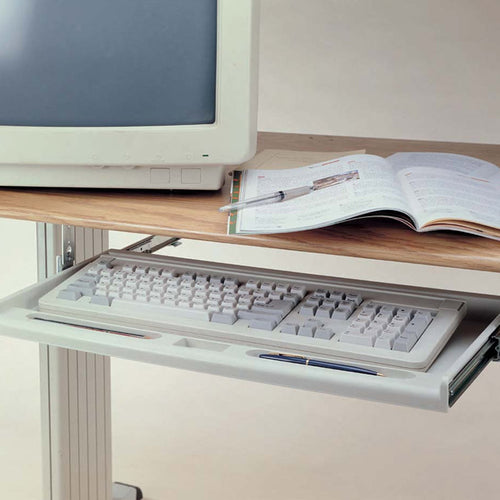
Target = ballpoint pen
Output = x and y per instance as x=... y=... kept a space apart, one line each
x=289 y=194
x=267 y=199
x=302 y=360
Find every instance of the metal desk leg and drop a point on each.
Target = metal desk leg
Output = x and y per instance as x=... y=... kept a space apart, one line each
x=75 y=394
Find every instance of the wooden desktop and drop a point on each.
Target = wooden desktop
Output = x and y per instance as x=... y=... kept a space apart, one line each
x=195 y=215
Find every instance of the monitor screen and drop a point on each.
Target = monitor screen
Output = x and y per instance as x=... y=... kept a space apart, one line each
x=107 y=63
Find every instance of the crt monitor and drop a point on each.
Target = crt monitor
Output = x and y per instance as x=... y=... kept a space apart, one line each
x=125 y=93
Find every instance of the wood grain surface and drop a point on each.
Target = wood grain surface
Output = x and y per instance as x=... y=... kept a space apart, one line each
x=195 y=215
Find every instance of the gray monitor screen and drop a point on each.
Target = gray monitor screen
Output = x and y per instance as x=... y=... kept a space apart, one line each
x=108 y=63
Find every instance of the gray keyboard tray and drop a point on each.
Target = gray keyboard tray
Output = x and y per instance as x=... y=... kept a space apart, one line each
x=469 y=350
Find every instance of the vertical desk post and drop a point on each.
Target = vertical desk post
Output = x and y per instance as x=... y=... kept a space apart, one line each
x=75 y=390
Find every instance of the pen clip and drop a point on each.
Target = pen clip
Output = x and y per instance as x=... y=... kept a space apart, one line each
x=298 y=356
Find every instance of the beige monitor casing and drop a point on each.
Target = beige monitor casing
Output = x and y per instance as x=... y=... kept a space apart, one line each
x=171 y=157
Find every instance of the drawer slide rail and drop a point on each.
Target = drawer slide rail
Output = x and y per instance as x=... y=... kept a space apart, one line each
x=489 y=352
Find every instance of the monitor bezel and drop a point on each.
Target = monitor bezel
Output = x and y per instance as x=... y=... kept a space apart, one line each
x=230 y=139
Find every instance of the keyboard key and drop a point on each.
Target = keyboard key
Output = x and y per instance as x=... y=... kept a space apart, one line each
x=361 y=320
x=263 y=324
x=324 y=333
x=298 y=290
x=395 y=329
x=84 y=288
x=371 y=308
x=155 y=271
x=307 y=330
x=291 y=297
x=425 y=315
x=308 y=310
x=337 y=295
x=357 y=327
x=385 y=341
x=101 y=300
x=229 y=303
x=404 y=343
x=375 y=330
x=154 y=299
x=314 y=301
x=404 y=312
x=324 y=312
x=283 y=287
x=268 y=285
x=388 y=309
x=169 y=273
x=330 y=303
x=262 y=301
x=243 y=307
x=275 y=307
x=200 y=306
x=253 y=284
x=352 y=297
x=69 y=294
x=246 y=299
x=415 y=328
x=343 y=311
x=291 y=328
x=358 y=338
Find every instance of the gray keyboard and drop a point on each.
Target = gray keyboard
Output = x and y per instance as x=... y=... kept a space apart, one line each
x=284 y=312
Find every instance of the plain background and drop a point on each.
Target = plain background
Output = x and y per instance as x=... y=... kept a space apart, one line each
x=385 y=68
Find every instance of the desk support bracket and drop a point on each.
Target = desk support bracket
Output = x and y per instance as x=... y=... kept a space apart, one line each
x=75 y=388
x=67 y=259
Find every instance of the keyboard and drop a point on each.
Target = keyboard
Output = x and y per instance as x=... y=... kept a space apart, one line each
x=272 y=311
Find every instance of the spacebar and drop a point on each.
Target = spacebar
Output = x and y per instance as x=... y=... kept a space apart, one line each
x=142 y=310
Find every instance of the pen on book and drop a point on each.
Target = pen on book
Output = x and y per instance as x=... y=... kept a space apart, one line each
x=302 y=360
x=267 y=199
x=289 y=194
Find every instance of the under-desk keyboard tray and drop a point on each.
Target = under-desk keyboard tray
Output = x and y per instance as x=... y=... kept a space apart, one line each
x=247 y=315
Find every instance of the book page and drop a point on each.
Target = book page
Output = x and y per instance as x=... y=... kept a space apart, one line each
x=443 y=187
x=273 y=159
x=362 y=184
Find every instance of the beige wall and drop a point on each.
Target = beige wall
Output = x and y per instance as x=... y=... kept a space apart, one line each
x=425 y=69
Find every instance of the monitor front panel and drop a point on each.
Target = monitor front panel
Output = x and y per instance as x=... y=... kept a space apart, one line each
x=112 y=63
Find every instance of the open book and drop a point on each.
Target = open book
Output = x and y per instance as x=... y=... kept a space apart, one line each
x=426 y=191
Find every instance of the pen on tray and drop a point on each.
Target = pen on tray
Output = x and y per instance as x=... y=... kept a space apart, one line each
x=290 y=194
x=302 y=360
x=96 y=329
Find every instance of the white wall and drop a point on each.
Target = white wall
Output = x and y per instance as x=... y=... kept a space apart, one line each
x=385 y=68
